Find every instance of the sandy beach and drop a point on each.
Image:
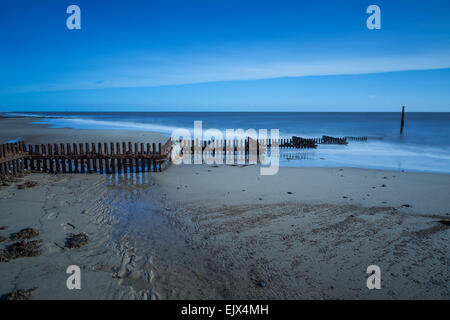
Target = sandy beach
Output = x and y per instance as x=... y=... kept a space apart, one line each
x=26 y=129
x=225 y=232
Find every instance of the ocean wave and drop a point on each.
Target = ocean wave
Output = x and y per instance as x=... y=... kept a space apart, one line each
x=26 y=115
x=392 y=149
x=78 y=123
x=375 y=155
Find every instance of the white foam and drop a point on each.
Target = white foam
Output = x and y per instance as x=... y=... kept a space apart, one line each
x=78 y=123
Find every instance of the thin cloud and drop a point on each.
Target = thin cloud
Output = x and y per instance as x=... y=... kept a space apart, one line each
x=140 y=74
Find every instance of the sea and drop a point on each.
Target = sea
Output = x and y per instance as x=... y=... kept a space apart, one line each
x=423 y=147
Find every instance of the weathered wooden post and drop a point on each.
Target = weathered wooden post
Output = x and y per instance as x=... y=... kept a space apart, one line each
x=81 y=150
x=69 y=158
x=50 y=153
x=94 y=157
x=113 y=158
x=88 y=158
x=154 y=156
x=32 y=159
x=100 y=157
x=44 y=153
x=159 y=153
x=403 y=120
x=106 y=153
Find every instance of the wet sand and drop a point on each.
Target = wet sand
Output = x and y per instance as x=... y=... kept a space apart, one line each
x=30 y=132
x=207 y=232
x=133 y=251
x=312 y=232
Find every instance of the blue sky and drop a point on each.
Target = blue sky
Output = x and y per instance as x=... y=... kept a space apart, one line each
x=224 y=55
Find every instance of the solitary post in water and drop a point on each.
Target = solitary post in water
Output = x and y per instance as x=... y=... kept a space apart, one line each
x=403 y=120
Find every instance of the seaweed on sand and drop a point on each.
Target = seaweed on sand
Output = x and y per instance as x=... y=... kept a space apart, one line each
x=445 y=222
x=27 y=185
x=26 y=233
x=76 y=240
x=19 y=294
x=20 y=249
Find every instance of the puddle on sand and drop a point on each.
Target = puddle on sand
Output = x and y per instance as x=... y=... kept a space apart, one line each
x=159 y=258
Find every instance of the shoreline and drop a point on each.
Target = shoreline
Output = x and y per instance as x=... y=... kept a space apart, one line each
x=225 y=232
x=36 y=133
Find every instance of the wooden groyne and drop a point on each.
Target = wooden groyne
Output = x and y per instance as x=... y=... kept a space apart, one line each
x=126 y=157
x=304 y=143
x=248 y=150
x=83 y=157
x=333 y=140
x=244 y=144
x=299 y=142
x=349 y=138
x=12 y=158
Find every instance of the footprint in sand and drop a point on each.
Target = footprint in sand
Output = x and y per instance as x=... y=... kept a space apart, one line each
x=53 y=247
x=52 y=215
x=68 y=226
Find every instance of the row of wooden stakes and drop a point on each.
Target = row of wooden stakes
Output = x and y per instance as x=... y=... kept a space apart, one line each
x=133 y=157
x=83 y=157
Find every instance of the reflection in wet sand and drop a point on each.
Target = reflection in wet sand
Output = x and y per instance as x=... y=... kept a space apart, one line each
x=159 y=259
x=128 y=186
